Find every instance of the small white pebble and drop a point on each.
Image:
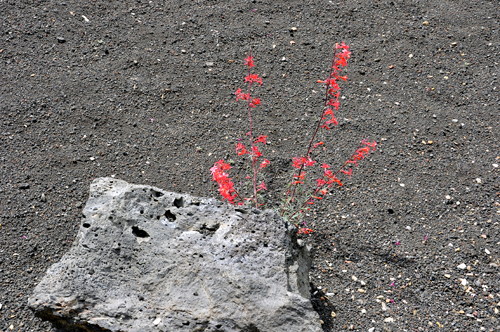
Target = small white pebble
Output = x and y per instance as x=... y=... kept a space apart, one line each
x=448 y=197
x=494 y=165
x=157 y=321
x=487 y=251
x=478 y=180
x=455 y=120
x=462 y=266
x=464 y=282
x=389 y=320
x=363 y=311
x=408 y=228
x=354 y=278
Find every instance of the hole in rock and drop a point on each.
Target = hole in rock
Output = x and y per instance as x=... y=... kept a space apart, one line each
x=391 y=211
x=170 y=216
x=208 y=230
x=179 y=202
x=139 y=232
x=157 y=193
x=141 y=212
x=86 y=225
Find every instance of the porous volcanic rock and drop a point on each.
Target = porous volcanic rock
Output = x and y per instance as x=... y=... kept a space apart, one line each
x=150 y=260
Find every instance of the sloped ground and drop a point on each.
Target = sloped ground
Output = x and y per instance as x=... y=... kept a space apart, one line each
x=144 y=91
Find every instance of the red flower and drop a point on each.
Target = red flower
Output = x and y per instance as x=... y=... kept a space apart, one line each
x=255 y=151
x=254 y=102
x=249 y=61
x=261 y=139
x=241 y=147
x=317 y=144
x=241 y=95
x=309 y=162
x=226 y=186
x=264 y=164
x=321 y=182
x=253 y=78
x=348 y=173
x=297 y=162
x=305 y=231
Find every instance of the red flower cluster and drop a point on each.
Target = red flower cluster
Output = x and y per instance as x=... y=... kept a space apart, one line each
x=226 y=186
x=329 y=177
x=253 y=78
x=249 y=61
x=304 y=231
x=361 y=152
x=293 y=206
x=246 y=96
x=299 y=162
x=342 y=54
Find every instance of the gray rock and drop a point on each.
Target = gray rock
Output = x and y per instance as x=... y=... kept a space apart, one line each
x=150 y=260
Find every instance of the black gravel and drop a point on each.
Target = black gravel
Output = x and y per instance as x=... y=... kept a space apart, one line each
x=144 y=91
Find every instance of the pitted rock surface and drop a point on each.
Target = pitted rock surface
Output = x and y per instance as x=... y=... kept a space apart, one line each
x=150 y=260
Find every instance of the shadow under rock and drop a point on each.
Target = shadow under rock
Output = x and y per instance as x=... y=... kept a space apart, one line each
x=322 y=306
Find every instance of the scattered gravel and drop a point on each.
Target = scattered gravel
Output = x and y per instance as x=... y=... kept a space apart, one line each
x=144 y=91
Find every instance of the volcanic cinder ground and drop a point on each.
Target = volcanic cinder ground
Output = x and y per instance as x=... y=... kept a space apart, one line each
x=144 y=91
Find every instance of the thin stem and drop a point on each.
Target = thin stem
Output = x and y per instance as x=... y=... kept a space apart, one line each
x=251 y=139
x=238 y=195
x=318 y=188
x=318 y=125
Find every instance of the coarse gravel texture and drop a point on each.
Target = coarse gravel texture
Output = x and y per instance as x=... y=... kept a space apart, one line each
x=144 y=91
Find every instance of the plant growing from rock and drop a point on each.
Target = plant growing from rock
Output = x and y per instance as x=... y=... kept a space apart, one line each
x=299 y=195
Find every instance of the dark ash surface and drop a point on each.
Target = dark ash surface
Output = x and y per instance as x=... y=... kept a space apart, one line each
x=145 y=91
